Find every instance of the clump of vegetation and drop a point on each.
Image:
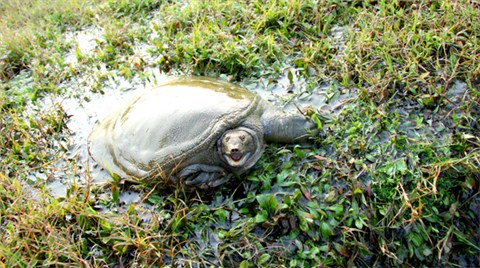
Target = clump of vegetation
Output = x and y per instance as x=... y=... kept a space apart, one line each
x=390 y=180
x=29 y=31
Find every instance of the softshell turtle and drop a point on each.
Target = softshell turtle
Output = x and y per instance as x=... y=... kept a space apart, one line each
x=194 y=130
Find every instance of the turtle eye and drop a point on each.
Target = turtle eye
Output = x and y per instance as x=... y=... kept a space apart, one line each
x=227 y=138
x=242 y=137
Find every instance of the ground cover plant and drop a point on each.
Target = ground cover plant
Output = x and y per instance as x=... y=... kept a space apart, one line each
x=392 y=178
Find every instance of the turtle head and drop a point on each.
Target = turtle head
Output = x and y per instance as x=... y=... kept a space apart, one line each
x=237 y=147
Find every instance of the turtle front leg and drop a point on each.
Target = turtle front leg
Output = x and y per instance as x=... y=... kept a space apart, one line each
x=204 y=176
x=286 y=127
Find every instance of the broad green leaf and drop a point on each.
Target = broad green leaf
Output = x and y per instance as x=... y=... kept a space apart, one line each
x=337 y=208
x=106 y=226
x=416 y=239
x=155 y=199
x=267 y=202
x=263 y=258
x=262 y=216
x=245 y=264
x=401 y=166
x=359 y=223
x=222 y=214
x=326 y=230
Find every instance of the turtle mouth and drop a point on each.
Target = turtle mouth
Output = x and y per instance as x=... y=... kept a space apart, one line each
x=236 y=159
x=236 y=156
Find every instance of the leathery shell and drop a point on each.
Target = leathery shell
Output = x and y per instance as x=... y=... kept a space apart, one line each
x=170 y=126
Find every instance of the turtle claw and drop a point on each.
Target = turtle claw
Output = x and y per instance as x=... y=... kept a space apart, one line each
x=204 y=176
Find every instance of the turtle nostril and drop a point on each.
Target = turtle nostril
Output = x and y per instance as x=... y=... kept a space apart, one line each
x=235 y=150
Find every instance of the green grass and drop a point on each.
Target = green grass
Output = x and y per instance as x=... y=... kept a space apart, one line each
x=392 y=180
x=29 y=31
